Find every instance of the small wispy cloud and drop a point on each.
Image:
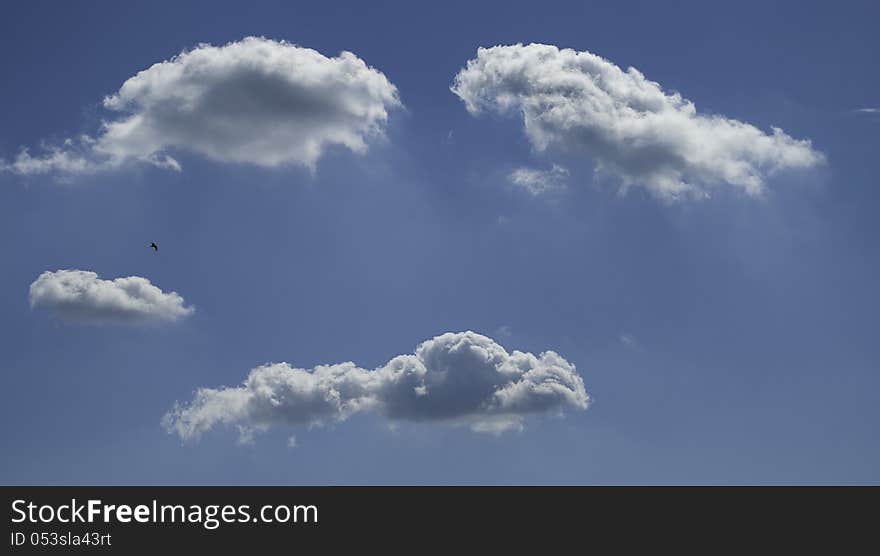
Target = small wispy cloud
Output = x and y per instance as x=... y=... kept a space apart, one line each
x=628 y=340
x=539 y=182
x=868 y=110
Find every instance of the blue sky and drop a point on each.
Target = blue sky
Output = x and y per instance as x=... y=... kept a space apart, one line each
x=725 y=340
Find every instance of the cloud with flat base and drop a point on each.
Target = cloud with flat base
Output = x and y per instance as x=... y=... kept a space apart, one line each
x=459 y=378
x=628 y=125
x=255 y=101
x=81 y=297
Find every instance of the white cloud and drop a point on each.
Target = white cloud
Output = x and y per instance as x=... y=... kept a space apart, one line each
x=539 y=182
x=64 y=161
x=869 y=110
x=256 y=101
x=81 y=296
x=628 y=340
x=630 y=126
x=459 y=378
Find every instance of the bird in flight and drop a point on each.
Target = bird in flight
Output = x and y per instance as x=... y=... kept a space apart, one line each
x=154 y=246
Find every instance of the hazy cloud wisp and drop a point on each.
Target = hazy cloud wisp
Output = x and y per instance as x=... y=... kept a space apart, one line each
x=539 y=182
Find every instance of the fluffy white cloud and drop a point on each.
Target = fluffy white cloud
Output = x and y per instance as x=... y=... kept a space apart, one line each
x=81 y=296
x=461 y=378
x=630 y=126
x=255 y=101
x=538 y=182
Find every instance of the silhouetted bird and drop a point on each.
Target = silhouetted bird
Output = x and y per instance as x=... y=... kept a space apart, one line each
x=155 y=247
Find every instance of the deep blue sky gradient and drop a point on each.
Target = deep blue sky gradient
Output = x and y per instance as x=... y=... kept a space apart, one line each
x=755 y=321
